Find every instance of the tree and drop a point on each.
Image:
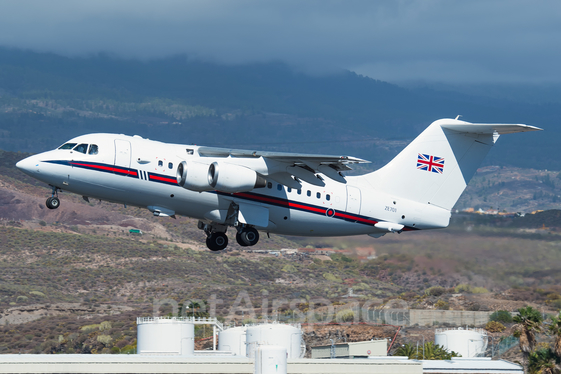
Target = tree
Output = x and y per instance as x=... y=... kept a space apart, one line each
x=555 y=329
x=528 y=323
x=408 y=350
x=430 y=351
x=542 y=361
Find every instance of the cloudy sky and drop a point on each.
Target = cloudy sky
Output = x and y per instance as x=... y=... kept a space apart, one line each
x=432 y=40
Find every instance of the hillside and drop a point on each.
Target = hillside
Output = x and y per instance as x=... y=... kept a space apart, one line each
x=73 y=280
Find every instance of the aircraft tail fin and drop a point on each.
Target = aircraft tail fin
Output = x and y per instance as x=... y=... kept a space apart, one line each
x=437 y=166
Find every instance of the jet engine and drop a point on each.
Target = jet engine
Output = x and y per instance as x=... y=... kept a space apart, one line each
x=193 y=176
x=232 y=178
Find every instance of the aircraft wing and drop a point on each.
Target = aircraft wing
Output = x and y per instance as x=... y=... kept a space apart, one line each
x=299 y=165
x=337 y=162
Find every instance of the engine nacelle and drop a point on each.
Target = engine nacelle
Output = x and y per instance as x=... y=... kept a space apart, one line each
x=232 y=178
x=193 y=176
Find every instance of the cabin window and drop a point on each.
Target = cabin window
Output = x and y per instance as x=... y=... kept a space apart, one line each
x=160 y=163
x=93 y=149
x=299 y=192
x=170 y=165
x=289 y=189
x=279 y=187
x=189 y=151
x=309 y=193
x=318 y=195
x=328 y=197
x=269 y=185
x=82 y=148
x=67 y=146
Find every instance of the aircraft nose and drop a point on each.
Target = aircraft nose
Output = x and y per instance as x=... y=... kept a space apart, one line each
x=28 y=165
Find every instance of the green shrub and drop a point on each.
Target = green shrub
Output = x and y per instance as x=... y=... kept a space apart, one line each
x=128 y=349
x=501 y=316
x=361 y=287
x=104 y=339
x=442 y=305
x=463 y=288
x=435 y=291
x=89 y=328
x=347 y=315
x=479 y=290
x=556 y=304
x=494 y=326
x=288 y=268
x=332 y=278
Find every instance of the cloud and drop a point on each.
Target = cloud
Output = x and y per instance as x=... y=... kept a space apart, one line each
x=453 y=41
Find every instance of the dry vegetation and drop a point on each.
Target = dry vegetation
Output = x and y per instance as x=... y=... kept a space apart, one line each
x=78 y=266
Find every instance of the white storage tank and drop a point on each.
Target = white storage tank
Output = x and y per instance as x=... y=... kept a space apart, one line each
x=466 y=342
x=282 y=335
x=165 y=336
x=233 y=340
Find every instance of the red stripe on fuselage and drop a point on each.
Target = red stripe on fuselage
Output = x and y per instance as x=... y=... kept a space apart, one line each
x=290 y=204
x=164 y=179
x=107 y=168
x=355 y=218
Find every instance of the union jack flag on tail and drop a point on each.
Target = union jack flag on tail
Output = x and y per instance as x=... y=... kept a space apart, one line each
x=430 y=163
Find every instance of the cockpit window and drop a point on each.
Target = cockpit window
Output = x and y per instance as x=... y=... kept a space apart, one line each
x=82 y=148
x=93 y=149
x=67 y=146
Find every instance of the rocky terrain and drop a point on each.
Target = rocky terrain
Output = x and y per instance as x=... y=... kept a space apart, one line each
x=74 y=279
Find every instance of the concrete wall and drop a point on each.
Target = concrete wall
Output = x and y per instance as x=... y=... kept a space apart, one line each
x=410 y=317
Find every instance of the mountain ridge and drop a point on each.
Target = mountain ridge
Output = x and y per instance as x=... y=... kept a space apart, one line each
x=46 y=99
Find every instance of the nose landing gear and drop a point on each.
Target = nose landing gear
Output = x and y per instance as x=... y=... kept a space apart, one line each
x=53 y=202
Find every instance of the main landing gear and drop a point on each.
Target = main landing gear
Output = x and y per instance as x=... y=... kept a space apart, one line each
x=217 y=240
x=247 y=236
x=53 y=202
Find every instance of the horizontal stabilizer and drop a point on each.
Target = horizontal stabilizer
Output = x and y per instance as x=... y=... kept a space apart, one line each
x=481 y=128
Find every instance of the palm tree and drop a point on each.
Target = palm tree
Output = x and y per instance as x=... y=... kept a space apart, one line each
x=542 y=361
x=429 y=351
x=408 y=350
x=555 y=329
x=528 y=323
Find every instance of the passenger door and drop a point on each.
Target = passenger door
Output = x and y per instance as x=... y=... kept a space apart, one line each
x=122 y=153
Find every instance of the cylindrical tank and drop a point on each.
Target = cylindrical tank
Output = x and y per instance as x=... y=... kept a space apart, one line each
x=270 y=359
x=466 y=342
x=165 y=336
x=274 y=334
x=233 y=340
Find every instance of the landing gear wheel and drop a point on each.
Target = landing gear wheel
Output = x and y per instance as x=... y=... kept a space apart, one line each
x=249 y=236
x=217 y=241
x=53 y=202
x=240 y=240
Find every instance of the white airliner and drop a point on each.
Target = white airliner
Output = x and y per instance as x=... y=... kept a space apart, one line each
x=282 y=193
